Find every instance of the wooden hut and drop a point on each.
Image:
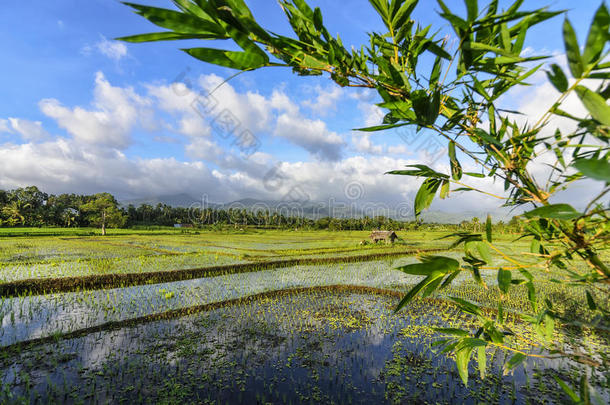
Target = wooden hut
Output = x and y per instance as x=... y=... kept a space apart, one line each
x=387 y=236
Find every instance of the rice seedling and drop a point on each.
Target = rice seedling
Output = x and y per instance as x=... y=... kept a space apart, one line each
x=318 y=328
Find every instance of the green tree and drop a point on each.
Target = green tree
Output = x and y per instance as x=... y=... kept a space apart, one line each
x=457 y=95
x=14 y=212
x=103 y=211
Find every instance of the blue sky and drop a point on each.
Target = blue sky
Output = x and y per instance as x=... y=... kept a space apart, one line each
x=83 y=113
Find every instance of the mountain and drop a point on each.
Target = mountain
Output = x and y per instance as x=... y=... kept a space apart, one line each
x=315 y=210
x=174 y=200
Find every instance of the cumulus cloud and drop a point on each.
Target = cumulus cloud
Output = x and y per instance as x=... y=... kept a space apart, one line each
x=92 y=157
x=61 y=166
x=29 y=130
x=325 y=100
x=312 y=135
x=4 y=125
x=109 y=123
x=114 y=50
x=362 y=143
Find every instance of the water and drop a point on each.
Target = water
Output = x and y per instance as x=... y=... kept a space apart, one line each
x=316 y=346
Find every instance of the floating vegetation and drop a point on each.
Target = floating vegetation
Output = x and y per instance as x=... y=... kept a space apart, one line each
x=320 y=345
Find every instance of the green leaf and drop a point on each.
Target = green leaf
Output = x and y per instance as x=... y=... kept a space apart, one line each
x=572 y=51
x=483 y=249
x=590 y=301
x=504 y=278
x=317 y=19
x=466 y=306
x=514 y=361
x=456 y=168
x=436 y=72
x=462 y=358
x=444 y=189
x=488 y=228
x=567 y=390
x=425 y=195
x=557 y=78
x=598 y=169
x=163 y=36
x=556 y=211
x=429 y=264
x=595 y=104
x=452 y=331
x=230 y=59
x=415 y=290
x=381 y=127
x=477 y=46
x=471 y=174
x=598 y=35
x=482 y=360
x=403 y=13
x=179 y=22
x=472 y=9
x=478 y=132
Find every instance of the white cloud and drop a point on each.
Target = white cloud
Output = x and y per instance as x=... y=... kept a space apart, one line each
x=109 y=123
x=91 y=158
x=64 y=166
x=373 y=115
x=362 y=143
x=252 y=110
x=29 y=130
x=114 y=50
x=325 y=101
x=311 y=135
x=4 y=126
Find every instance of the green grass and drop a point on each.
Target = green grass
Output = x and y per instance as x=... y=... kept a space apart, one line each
x=70 y=255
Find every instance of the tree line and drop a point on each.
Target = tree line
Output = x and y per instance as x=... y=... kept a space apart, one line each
x=30 y=207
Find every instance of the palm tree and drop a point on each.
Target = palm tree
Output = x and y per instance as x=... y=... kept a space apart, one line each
x=476 y=222
x=14 y=212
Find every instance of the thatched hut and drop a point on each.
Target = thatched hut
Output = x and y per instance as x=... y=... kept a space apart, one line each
x=387 y=236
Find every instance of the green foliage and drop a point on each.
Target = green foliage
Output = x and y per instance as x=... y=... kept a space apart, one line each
x=488 y=62
x=104 y=211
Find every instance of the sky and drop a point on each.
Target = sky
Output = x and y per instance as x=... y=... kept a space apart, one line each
x=83 y=113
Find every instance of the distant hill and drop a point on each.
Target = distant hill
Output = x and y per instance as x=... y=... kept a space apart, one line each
x=315 y=210
x=176 y=200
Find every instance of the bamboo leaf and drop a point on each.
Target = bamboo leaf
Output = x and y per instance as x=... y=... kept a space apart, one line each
x=598 y=35
x=557 y=78
x=413 y=292
x=429 y=264
x=595 y=104
x=230 y=59
x=425 y=195
x=598 y=169
x=591 y=302
x=514 y=361
x=178 y=22
x=482 y=360
x=556 y=211
x=488 y=228
x=163 y=36
x=504 y=280
x=462 y=358
x=572 y=51
x=456 y=168
x=452 y=331
x=573 y=396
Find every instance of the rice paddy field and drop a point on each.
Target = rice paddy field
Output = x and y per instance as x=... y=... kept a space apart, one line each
x=258 y=316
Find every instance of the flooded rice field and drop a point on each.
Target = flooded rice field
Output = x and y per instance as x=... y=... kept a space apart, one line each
x=312 y=345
